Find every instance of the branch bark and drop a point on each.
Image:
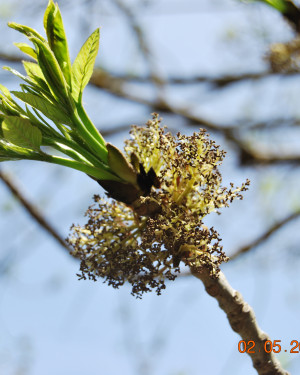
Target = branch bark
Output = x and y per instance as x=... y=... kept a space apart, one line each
x=242 y=320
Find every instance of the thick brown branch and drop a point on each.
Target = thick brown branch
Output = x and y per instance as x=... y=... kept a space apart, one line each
x=242 y=320
x=32 y=210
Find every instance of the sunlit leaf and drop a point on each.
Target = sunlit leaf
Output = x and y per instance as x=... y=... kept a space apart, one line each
x=34 y=85
x=35 y=73
x=51 y=71
x=33 y=69
x=83 y=65
x=16 y=73
x=7 y=107
x=48 y=17
x=5 y=91
x=50 y=110
x=20 y=132
x=26 y=49
x=28 y=31
x=57 y=39
x=280 y=5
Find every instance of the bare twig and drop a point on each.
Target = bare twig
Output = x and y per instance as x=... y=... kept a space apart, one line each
x=258 y=241
x=242 y=320
x=32 y=210
x=10 y=58
x=143 y=45
x=215 y=81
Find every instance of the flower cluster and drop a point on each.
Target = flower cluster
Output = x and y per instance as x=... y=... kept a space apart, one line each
x=144 y=243
x=285 y=57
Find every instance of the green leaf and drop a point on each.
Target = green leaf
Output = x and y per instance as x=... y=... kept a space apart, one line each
x=8 y=107
x=51 y=71
x=280 y=5
x=53 y=111
x=119 y=164
x=38 y=87
x=28 y=31
x=32 y=69
x=83 y=65
x=20 y=132
x=48 y=17
x=35 y=73
x=5 y=91
x=19 y=75
x=26 y=49
x=57 y=39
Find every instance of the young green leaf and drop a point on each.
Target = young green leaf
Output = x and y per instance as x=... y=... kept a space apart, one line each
x=48 y=17
x=53 y=111
x=26 y=49
x=28 y=31
x=35 y=73
x=20 y=132
x=7 y=106
x=52 y=72
x=38 y=87
x=32 y=69
x=19 y=75
x=5 y=91
x=83 y=65
x=57 y=39
x=281 y=5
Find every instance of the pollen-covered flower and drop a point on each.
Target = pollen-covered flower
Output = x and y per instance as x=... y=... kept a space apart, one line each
x=144 y=242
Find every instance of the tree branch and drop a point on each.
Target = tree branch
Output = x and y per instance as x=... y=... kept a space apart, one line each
x=242 y=320
x=32 y=210
x=274 y=228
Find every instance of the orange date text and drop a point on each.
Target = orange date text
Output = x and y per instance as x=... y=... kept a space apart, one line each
x=268 y=346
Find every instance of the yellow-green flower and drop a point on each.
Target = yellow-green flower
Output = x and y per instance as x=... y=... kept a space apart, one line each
x=144 y=242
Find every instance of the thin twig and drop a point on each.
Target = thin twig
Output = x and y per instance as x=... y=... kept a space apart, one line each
x=215 y=81
x=141 y=38
x=32 y=210
x=242 y=320
x=258 y=241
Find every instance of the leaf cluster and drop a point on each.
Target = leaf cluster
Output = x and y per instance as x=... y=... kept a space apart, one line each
x=52 y=124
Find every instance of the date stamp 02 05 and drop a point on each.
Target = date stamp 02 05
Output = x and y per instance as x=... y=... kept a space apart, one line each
x=269 y=346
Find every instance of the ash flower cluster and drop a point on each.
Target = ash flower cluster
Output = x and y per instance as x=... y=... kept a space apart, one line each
x=145 y=242
x=285 y=57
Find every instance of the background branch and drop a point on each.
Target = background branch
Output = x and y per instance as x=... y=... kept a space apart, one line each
x=32 y=210
x=272 y=230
